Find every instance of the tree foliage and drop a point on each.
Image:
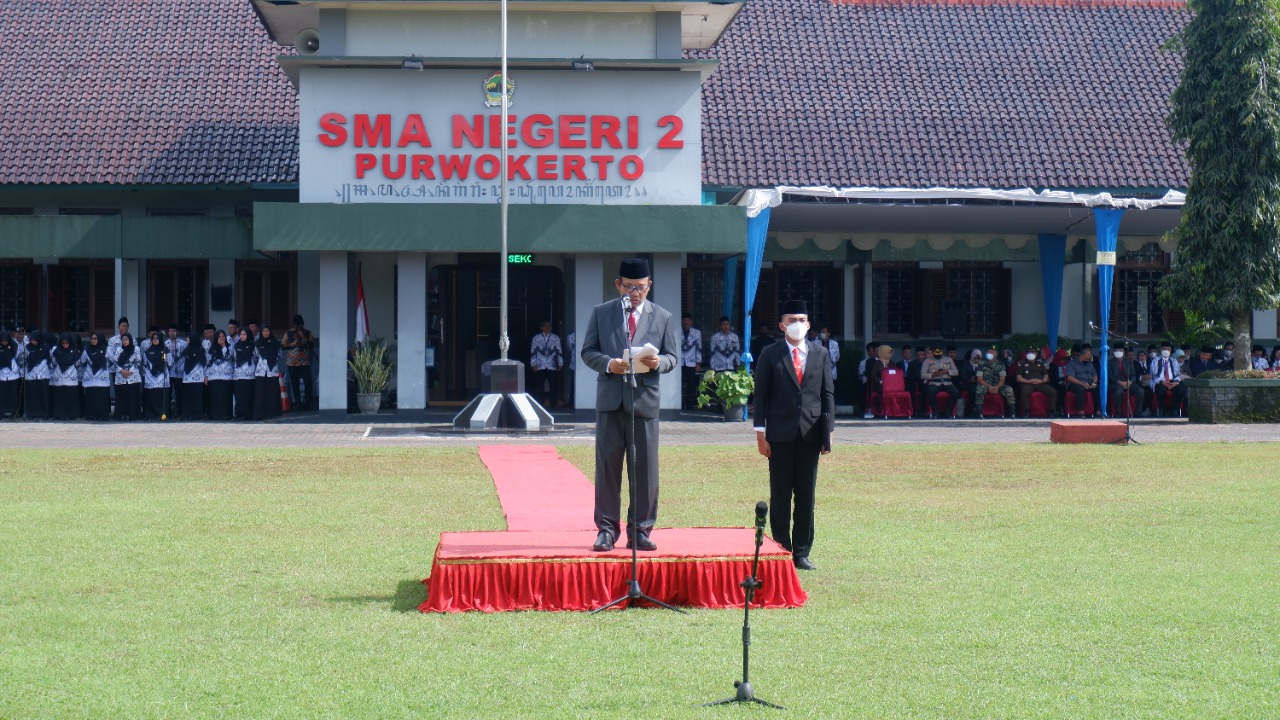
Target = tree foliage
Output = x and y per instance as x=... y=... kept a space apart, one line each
x=1226 y=109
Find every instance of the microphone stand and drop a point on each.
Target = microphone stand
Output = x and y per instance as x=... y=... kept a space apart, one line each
x=634 y=592
x=745 y=693
x=1125 y=397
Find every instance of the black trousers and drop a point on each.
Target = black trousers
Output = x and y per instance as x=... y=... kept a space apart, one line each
x=9 y=398
x=1118 y=393
x=1078 y=393
x=300 y=386
x=1179 y=397
x=613 y=432
x=931 y=397
x=546 y=387
x=175 y=397
x=688 y=387
x=793 y=476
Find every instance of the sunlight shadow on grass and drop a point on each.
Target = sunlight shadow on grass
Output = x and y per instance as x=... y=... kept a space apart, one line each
x=409 y=595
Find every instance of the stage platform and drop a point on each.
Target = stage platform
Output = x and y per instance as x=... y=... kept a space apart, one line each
x=693 y=567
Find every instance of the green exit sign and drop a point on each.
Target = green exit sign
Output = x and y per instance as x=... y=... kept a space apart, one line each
x=517 y=259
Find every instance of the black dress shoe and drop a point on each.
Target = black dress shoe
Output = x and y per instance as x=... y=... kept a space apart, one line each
x=604 y=542
x=802 y=563
x=643 y=543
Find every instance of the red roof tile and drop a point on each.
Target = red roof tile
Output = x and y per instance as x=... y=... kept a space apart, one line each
x=143 y=92
x=966 y=93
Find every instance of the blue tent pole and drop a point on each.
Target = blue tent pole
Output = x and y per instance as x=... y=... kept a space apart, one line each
x=1107 y=222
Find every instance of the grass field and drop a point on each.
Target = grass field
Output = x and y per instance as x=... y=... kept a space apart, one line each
x=953 y=582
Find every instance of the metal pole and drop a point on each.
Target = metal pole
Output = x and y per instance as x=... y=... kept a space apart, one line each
x=504 y=341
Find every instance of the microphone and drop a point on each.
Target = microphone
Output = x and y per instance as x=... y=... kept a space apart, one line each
x=626 y=304
x=1094 y=326
x=762 y=509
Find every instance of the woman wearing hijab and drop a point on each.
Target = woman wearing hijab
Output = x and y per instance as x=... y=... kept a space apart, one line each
x=1275 y=359
x=11 y=360
x=126 y=361
x=266 y=389
x=155 y=378
x=194 y=359
x=221 y=376
x=246 y=364
x=36 y=370
x=64 y=380
x=95 y=376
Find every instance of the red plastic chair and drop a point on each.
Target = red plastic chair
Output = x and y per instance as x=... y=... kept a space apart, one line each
x=992 y=405
x=1070 y=405
x=1130 y=400
x=895 y=401
x=943 y=397
x=1039 y=406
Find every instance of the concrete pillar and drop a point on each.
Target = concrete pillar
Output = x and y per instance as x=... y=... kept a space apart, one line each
x=588 y=280
x=850 y=301
x=129 y=291
x=332 y=334
x=868 y=318
x=666 y=280
x=308 y=286
x=221 y=272
x=411 y=331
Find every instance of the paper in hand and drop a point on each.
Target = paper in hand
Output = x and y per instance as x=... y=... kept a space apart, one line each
x=634 y=354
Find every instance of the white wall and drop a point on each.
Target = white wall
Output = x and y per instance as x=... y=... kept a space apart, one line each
x=614 y=35
x=1027 y=298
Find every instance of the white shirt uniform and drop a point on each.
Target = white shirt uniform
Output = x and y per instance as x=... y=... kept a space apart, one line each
x=725 y=351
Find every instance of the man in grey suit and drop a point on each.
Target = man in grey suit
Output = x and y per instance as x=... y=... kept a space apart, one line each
x=794 y=417
x=628 y=321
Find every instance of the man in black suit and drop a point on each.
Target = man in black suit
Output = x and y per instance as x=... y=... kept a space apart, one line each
x=628 y=321
x=794 y=417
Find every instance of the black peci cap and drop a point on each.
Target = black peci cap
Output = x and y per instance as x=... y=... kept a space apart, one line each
x=634 y=269
x=794 y=307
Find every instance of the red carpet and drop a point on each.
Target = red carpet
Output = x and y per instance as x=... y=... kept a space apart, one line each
x=539 y=489
x=555 y=569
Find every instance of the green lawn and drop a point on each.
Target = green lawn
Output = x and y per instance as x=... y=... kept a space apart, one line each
x=953 y=582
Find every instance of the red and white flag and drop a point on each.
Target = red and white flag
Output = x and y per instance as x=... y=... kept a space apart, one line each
x=362 y=312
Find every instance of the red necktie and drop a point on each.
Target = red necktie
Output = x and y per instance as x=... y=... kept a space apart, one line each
x=795 y=362
x=631 y=324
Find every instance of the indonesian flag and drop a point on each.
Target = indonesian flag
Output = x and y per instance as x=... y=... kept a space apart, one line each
x=362 y=312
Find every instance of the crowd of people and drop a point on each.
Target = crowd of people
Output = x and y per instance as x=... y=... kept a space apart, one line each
x=234 y=374
x=944 y=384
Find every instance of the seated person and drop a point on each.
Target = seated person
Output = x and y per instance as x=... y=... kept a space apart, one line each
x=1126 y=376
x=969 y=380
x=1082 y=378
x=1203 y=363
x=1259 y=359
x=938 y=375
x=1032 y=376
x=990 y=378
x=1166 y=378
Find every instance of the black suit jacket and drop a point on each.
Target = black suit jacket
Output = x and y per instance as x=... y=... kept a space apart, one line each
x=790 y=411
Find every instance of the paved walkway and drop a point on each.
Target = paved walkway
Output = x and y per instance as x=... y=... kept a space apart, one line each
x=694 y=430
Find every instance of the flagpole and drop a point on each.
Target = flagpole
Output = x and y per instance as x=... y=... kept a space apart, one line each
x=504 y=342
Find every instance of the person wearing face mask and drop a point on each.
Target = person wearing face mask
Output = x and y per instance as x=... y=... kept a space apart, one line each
x=1032 y=376
x=938 y=375
x=1125 y=377
x=1228 y=355
x=831 y=345
x=794 y=417
x=629 y=320
x=990 y=378
x=1258 y=359
x=1166 y=379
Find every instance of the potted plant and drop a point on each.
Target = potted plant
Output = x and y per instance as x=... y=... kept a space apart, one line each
x=372 y=371
x=731 y=388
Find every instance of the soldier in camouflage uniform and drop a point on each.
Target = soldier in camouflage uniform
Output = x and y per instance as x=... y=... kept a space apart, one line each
x=989 y=378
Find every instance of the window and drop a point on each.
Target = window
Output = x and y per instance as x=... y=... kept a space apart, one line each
x=19 y=294
x=1135 y=308
x=978 y=290
x=893 y=300
x=177 y=294
x=81 y=297
x=818 y=286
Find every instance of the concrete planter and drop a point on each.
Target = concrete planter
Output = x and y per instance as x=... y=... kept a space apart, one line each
x=1217 y=400
x=369 y=403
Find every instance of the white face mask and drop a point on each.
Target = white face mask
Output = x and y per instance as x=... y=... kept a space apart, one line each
x=1118 y=354
x=1031 y=356
x=797 y=330
x=1164 y=353
x=989 y=356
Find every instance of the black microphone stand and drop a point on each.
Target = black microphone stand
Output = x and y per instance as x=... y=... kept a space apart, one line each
x=1124 y=398
x=745 y=693
x=633 y=532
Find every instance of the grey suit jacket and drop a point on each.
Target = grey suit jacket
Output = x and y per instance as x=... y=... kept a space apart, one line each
x=606 y=338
